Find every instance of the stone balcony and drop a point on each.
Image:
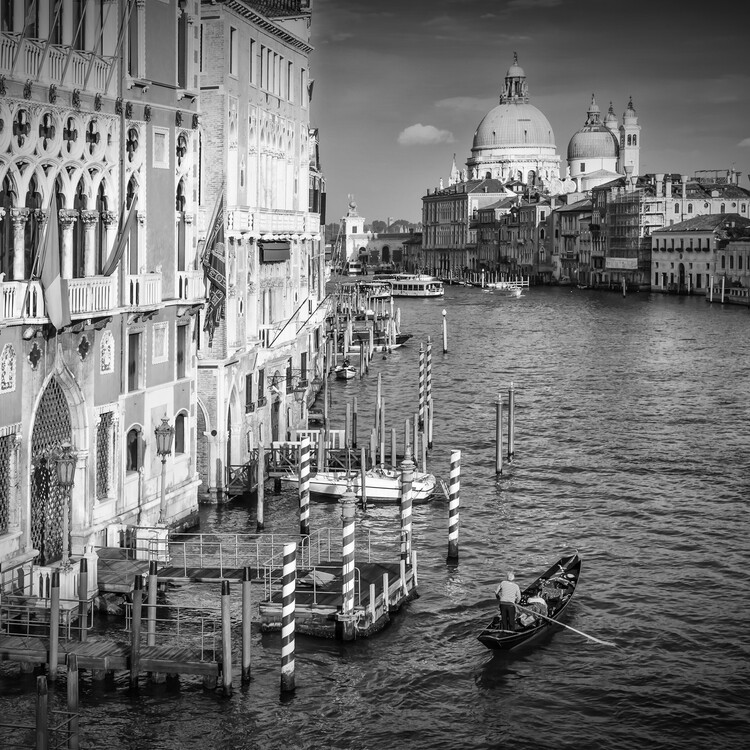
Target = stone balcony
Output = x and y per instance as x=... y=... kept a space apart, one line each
x=191 y=285
x=61 y=66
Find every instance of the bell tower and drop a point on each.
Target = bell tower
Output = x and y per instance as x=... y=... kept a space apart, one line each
x=630 y=140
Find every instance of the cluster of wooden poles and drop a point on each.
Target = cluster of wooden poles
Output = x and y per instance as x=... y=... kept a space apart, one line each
x=64 y=731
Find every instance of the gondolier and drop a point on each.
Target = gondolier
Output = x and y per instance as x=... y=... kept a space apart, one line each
x=509 y=595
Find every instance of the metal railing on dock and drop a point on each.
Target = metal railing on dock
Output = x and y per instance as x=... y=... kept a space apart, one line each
x=225 y=552
x=180 y=627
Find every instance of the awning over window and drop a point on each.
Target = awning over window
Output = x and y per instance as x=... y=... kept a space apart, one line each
x=274 y=251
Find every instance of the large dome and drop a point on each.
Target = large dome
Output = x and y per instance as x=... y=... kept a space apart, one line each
x=514 y=124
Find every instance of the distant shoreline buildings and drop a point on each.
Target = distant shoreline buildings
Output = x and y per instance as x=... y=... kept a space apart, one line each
x=511 y=212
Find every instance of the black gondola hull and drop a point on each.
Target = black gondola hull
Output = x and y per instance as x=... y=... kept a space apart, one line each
x=566 y=570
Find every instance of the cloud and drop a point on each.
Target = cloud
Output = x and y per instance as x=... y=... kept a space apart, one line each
x=424 y=135
x=531 y=4
x=461 y=104
x=745 y=142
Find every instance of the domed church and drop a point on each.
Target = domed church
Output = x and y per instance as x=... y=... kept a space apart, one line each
x=595 y=153
x=514 y=142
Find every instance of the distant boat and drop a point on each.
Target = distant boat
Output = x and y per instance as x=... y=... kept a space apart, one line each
x=383 y=485
x=414 y=285
x=345 y=372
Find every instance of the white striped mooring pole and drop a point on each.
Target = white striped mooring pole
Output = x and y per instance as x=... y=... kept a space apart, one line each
x=511 y=420
x=304 y=487
x=499 y=434
x=454 y=501
x=288 y=586
x=421 y=386
x=445 y=333
x=428 y=393
x=346 y=618
x=407 y=477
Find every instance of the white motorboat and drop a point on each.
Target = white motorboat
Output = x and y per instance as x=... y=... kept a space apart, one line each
x=381 y=484
x=345 y=372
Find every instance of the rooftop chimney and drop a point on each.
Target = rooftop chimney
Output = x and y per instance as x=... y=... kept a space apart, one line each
x=684 y=179
x=668 y=186
x=659 y=184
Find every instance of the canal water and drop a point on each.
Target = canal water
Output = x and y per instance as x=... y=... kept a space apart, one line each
x=631 y=445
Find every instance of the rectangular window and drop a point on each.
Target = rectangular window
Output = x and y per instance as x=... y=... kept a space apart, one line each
x=289 y=376
x=249 y=403
x=182 y=50
x=290 y=82
x=7 y=451
x=7 y=21
x=104 y=438
x=133 y=44
x=252 y=70
x=233 y=67
x=262 y=66
x=200 y=50
x=134 y=361
x=160 y=343
x=261 y=387
x=303 y=368
x=55 y=22
x=302 y=86
x=160 y=151
x=182 y=351
x=179 y=434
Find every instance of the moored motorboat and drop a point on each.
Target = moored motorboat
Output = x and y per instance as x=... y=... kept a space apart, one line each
x=382 y=485
x=557 y=584
x=345 y=372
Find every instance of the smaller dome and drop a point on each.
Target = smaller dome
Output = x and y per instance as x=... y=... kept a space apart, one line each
x=515 y=71
x=590 y=143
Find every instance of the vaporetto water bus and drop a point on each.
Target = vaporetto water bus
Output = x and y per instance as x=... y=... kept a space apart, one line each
x=413 y=285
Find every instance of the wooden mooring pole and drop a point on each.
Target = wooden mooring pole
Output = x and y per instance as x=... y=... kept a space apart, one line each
x=445 y=333
x=354 y=423
x=135 y=632
x=499 y=434
x=226 y=640
x=511 y=421
x=83 y=598
x=42 y=731
x=454 y=501
x=72 y=698
x=288 y=590
x=260 y=491
x=151 y=609
x=54 y=626
x=246 y=623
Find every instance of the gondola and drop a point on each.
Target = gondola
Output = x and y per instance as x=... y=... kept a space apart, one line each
x=558 y=584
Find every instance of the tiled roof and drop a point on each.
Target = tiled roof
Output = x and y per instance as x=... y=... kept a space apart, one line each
x=707 y=223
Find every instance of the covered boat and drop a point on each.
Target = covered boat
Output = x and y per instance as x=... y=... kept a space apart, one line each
x=557 y=585
x=382 y=485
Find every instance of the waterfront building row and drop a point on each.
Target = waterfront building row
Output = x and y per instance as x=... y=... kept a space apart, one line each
x=161 y=198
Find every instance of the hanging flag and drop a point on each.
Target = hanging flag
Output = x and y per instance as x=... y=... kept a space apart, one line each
x=54 y=286
x=123 y=237
x=214 y=267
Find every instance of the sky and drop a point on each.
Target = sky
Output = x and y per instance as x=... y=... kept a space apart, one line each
x=401 y=86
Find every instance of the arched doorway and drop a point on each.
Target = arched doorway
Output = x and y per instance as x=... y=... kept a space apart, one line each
x=681 y=281
x=52 y=428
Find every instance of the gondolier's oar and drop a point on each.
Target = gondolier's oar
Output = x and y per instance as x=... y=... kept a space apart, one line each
x=557 y=622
